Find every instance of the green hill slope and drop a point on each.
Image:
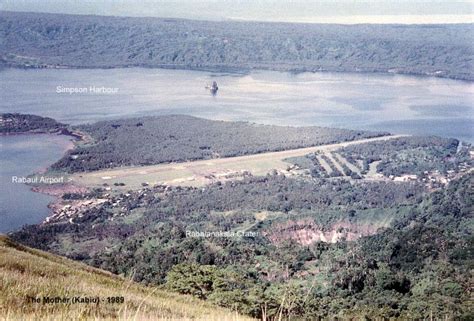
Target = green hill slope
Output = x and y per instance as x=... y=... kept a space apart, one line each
x=44 y=40
x=26 y=273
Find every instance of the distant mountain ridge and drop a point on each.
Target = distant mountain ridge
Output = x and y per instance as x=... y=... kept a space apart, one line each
x=56 y=40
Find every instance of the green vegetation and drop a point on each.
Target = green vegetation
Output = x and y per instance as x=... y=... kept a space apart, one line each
x=27 y=273
x=178 y=138
x=413 y=155
x=272 y=247
x=44 y=40
x=21 y=123
x=412 y=261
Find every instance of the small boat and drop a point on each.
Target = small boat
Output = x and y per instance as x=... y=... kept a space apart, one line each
x=213 y=88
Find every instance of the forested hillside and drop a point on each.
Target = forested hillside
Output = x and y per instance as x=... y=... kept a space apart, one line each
x=57 y=40
x=311 y=248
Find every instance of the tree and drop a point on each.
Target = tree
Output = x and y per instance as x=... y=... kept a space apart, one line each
x=193 y=279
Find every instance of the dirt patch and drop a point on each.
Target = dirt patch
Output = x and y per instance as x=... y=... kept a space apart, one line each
x=342 y=160
x=306 y=232
x=324 y=164
x=58 y=190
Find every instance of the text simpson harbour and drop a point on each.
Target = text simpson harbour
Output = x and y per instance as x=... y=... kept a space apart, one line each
x=86 y=90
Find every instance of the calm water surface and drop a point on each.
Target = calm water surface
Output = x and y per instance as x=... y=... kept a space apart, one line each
x=20 y=156
x=399 y=104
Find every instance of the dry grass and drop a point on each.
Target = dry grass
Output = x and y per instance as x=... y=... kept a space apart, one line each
x=25 y=272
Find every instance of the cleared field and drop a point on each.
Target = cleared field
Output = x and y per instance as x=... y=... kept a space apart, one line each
x=199 y=173
x=372 y=173
x=324 y=164
x=342 y=160
x=335 y=162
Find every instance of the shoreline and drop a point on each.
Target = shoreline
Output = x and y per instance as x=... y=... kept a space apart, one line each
x=54 y=190
x=245 y=70
x=62 y=131
x=57 y=191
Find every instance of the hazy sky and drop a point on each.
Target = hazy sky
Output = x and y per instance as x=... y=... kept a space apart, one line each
x=327 y=11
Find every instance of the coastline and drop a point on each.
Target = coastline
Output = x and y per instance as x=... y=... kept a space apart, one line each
x=62 y=131
x=59 y=190
x=245 y=70
x=56 y=191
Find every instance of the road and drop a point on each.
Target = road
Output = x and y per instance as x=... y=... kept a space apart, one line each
x=202 y=172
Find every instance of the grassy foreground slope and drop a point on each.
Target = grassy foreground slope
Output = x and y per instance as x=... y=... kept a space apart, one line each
x=25 y=272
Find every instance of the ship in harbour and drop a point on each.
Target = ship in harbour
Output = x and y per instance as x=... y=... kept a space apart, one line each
x=213 y=88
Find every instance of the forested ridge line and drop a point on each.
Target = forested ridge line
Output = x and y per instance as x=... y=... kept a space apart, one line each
x=59 y=40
